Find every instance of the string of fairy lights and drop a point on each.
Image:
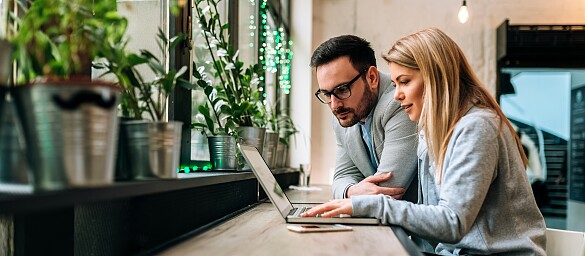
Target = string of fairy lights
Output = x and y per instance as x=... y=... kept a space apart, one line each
x=275 y=50
x=274 y=54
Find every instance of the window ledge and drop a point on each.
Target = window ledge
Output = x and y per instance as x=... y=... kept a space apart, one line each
x=21 y=198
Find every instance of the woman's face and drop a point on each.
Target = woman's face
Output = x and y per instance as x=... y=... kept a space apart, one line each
x=409 y=89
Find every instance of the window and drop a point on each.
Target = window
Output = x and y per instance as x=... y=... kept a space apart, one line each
x=261 y=36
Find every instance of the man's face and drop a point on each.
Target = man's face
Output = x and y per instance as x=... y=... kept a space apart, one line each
x=364 y=92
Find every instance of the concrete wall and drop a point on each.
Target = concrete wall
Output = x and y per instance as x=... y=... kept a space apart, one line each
x=384 y=21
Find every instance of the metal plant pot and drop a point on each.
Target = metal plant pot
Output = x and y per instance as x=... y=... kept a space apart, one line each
x=222 y=152
x=269 y=150
x=133 y=159
x=165 y=148
x=252 y=136
x=281 y=155
x=13 y=168
x=149 y=150
x=123 y=161
x=70 y=129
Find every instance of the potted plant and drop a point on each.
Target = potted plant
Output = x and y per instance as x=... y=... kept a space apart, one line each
x=281 y=127
x=234 y=106
x=155 y=143
x=286 y=129
x=219 y=130
x=69 y=121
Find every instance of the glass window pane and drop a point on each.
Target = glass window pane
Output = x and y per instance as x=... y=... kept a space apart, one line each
x=270 y=58
x=3 y=18
x=202 y=59
x=144 y=19
x=248 y=31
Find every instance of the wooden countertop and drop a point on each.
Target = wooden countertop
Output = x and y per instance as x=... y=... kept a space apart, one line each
x=262 y=231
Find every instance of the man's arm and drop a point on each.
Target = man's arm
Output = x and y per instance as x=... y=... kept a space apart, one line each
x=399 y=147
x=346 y=173
x=348 y=180
x=400 y=144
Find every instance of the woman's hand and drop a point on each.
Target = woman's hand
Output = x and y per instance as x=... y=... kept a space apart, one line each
x=330 y=209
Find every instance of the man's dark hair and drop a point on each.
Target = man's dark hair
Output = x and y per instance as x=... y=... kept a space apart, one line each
x=360 y=53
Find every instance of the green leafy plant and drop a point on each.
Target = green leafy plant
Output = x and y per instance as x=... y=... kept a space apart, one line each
x=140 y=96
x=236 y=100
x=60 y=38
x=123 y=65
x=281 y=124
x=156 y=92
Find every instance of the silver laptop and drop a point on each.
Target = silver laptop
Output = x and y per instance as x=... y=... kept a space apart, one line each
x=279 y=198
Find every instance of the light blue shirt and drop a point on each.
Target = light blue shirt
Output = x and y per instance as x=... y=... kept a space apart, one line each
x=367 y=137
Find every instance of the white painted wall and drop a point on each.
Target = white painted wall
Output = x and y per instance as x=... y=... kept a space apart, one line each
x=301 y=79
x=382 y=22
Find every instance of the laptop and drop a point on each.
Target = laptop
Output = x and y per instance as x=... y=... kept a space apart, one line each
x=281 y=201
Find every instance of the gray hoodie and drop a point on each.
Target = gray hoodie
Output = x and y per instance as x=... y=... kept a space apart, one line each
x=484 y=204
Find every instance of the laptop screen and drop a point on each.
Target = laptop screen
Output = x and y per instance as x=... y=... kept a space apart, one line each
x=266 y=179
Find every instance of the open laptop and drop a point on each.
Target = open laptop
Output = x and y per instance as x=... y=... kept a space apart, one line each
x=281 y=201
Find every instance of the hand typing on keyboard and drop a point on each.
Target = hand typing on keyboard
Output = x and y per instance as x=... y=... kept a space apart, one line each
x=331 y=209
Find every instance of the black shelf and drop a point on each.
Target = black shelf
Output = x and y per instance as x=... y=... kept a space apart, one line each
x=126 y=218
x=18 y=200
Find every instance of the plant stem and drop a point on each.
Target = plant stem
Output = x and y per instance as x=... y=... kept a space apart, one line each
x=214 y=113
x=220 y=25
x=199 y=15
x=149 y=102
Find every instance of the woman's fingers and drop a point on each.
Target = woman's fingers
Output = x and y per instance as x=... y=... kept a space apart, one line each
x=330 y=209
x=319 y=209
x=335 y=212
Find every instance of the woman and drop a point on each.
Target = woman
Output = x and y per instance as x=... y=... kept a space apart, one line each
x=474 y=196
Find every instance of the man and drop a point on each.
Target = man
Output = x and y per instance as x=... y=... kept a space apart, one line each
x=373 y=134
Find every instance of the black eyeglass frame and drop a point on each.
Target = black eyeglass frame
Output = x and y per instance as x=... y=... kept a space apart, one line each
x=347 y=85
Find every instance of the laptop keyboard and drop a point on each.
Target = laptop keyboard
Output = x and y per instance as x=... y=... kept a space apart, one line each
x=296 y=212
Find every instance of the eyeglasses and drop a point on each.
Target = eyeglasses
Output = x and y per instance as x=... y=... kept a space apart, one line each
x=341 y=92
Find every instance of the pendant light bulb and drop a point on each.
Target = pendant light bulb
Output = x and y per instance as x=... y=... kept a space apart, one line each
x=463 y=14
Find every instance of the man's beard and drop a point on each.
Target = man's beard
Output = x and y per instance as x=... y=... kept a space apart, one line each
x=368 y=102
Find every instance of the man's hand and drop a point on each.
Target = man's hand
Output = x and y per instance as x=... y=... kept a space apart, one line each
x=330 y=209
x=369 y=186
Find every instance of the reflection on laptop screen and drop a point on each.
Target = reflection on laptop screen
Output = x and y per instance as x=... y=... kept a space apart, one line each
x=265 y=177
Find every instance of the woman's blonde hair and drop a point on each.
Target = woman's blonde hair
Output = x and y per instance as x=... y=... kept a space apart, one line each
x=450 y=88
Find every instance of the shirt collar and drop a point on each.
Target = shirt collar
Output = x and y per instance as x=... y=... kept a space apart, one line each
x=368 y=121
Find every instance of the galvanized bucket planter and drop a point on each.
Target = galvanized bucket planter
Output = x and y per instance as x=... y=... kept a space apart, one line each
x=13 y=167
x=269 y=150
x=251 y=136
x=133 y=159
x=70 y=129
x=164 y=139
x=222 y=152
x=281 y=155
x=149 y=150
